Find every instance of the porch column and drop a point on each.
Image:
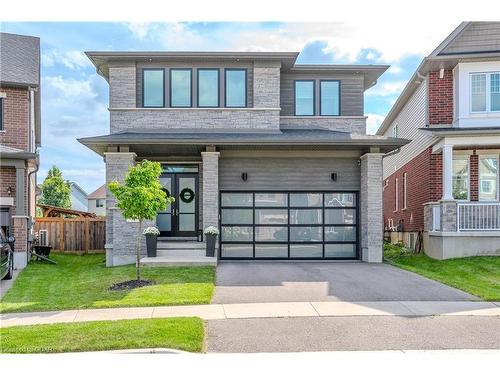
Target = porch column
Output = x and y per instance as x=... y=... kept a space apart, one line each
x=120 y=246
x=371 y=208
x=447 y=172
x=210 y=188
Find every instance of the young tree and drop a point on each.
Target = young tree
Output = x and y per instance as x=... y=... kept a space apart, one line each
x=55 y=191
x=140 y=198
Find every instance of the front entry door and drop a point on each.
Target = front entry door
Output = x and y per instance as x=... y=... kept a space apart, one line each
x=181 y=218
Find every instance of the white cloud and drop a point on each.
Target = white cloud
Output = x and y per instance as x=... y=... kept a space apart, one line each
x=70 y=87
x=386 y=88
x=139 y=29
x=71 y=59
x=373 y=122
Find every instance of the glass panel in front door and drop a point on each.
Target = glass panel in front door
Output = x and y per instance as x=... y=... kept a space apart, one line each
x=164 y=218
x=187 y=204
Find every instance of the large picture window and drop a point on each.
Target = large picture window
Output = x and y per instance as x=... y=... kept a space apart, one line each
x=304 y=98
x=488 y=177
x=461 y=177
x=153 y=88
x=180 y=87
x=289 y=225
x=208 y=87
x=329 y=98
x=485 y=92
x=235 y=88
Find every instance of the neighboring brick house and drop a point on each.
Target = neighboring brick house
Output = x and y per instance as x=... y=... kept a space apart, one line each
x=19 y=137
x=273 y=153
x=445 y=183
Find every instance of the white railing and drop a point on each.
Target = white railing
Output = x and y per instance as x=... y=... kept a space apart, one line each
x=436 y=217
x=478 y=216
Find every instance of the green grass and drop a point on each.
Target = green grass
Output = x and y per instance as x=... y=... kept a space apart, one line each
x=476 y=275
x=82 y=281
x=174 y=333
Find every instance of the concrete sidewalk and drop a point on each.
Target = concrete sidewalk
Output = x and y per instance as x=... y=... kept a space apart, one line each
x=261 y=310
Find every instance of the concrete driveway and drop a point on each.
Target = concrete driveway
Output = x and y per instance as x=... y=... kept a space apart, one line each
x=295 y=282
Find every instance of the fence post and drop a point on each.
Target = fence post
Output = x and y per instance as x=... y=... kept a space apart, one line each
x=86 y=231
x=61 y=230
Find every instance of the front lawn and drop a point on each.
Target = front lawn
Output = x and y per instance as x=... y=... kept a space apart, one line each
x=476 y=275
x=82 y=281
x=174 y=333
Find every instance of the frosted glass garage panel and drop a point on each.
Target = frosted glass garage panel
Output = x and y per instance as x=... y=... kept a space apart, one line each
x=237 y=250
x=237 y=199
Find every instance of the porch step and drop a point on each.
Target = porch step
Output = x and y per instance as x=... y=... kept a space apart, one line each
x=178 y=260
x=181 y=245
x=181 y=252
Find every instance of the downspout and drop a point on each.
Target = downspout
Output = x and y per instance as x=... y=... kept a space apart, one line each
x=32 y=145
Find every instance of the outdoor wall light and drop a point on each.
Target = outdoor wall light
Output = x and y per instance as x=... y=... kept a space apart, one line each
x=10 y=190
x=244 y=176
x=333 y=176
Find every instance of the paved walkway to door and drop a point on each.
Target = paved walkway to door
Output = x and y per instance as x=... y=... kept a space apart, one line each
x=245 y=282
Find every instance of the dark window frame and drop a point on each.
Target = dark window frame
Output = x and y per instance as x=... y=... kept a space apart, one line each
x=340 y=95
x=190 y=88
x=198 y=87
x=295 y=96
x=143 y=87
x=225 y=87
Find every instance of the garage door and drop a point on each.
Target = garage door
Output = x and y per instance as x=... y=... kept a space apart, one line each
x=289 y=225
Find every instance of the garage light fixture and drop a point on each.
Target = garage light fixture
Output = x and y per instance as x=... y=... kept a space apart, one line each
x=244 y=176
x=333 y=176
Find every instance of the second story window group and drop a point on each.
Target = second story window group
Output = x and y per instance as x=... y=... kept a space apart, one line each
x=189 y=87
x=485 y=92
x=305 y=97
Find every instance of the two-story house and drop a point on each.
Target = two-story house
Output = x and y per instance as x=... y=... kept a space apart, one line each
x=19 y=137
x=445 y=182
x=273 y=153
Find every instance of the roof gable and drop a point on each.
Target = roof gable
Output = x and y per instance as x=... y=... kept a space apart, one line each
x=471 y=38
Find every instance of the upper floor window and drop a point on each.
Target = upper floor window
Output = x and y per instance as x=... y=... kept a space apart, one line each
x=395 y=131
x=208 y=87
x=329 y=98
x=485 y=92
x=99 y=202
x=304 y=98
x=236 y=88
x=180 y=87
x=461 y=177
x=153 y=87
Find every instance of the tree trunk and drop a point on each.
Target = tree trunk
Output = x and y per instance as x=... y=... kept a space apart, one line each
x=138 y=252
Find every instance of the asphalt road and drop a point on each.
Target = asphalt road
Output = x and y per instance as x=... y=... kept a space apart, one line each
x=352 y=333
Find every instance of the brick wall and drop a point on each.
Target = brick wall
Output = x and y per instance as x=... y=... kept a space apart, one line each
x=418 y=173
x=436 y=177
x=15 y=118
x=474 y=176
x=440 y=98
x=7 y=179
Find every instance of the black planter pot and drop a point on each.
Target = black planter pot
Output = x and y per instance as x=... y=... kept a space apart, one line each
x=210 y=239
x=151 y=244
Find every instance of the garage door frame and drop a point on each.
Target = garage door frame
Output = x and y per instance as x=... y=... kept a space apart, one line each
x=289 y=207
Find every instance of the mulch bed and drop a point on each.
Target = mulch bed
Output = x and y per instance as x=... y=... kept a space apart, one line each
x=131 y=284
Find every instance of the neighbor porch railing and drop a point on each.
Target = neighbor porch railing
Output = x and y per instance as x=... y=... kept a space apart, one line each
x=478 y=216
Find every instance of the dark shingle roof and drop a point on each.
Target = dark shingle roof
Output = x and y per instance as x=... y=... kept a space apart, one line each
x=19 y=59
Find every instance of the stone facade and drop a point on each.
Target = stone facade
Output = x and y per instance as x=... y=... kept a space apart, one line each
x=210 y=189
x=348 y=124
x=194 y=118
x=371 y=208
x=122 y=85
x=266 y=84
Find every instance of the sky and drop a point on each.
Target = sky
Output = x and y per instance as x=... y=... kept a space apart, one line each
x=75 y=98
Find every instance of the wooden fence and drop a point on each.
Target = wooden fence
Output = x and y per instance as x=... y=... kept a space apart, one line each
x=86 y=234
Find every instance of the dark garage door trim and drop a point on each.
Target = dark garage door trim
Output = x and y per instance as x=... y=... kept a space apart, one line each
x=251 y=242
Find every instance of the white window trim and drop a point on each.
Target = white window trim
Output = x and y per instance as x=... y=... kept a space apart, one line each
x=395 y=131
x=396 y=195
x=487 y=92
x=479 y=177
x=405 y=191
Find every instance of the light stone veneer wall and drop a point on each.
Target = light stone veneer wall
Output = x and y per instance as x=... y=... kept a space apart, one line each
x=193 y=118
x=266 y=84
x=210 y=189
x=371 y=208
x=349 y=124
x=122 y=90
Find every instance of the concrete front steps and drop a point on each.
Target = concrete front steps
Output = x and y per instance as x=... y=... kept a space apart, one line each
x=180 y=253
